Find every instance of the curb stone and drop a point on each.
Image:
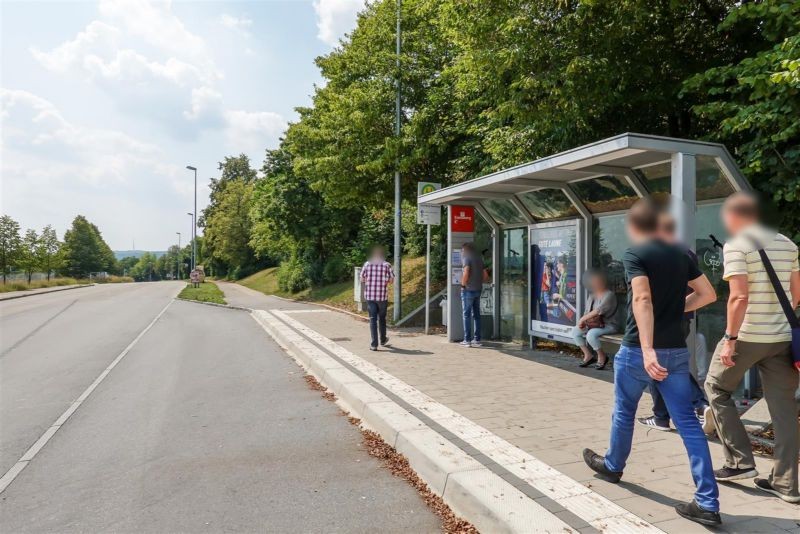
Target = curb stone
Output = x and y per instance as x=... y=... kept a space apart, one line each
x=473 y=492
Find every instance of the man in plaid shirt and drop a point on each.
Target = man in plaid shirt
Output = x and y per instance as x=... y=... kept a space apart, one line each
x=376 y=274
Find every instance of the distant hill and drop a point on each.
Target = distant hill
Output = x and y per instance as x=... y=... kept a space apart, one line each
x=119 y=254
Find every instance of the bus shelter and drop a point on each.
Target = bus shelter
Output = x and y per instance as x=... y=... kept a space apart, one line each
x=542 y=224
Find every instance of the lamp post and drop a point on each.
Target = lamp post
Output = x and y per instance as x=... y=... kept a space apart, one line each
x=397 y=199
x=190 y=214
x=178 y=256
x=194 y=222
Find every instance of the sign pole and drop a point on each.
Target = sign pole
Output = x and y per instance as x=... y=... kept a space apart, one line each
x=428 y=279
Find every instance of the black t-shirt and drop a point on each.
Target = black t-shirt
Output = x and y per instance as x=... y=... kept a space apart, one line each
x=669 y=269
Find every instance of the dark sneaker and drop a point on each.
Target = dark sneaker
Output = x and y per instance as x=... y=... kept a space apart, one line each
x=385 y=341
x=655 y=424
x=693 y=512
x=707 y=421
x=764 y=485
x=597 y=464
x=726 y=474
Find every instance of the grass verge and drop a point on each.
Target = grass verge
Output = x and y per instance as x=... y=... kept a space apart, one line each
x=39 y=284
x=340 y=294
x=206 y=292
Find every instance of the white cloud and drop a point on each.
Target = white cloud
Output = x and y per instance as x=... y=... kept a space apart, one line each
x=239 y=24
x=252 y=131
x=335 y=18
x=33 y=126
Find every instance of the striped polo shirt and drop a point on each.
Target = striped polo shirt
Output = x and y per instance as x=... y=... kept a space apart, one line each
x=764 y=321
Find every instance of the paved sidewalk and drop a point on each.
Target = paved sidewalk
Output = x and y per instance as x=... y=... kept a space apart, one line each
x=543 y=404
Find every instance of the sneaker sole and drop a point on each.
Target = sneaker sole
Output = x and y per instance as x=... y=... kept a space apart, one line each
x=659 y=428
x=781 y=496
x=741 y=476
x=706 y=522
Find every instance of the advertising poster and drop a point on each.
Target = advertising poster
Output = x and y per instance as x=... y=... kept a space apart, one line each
x=554 y=279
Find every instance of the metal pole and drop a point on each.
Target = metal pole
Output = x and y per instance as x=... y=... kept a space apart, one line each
x=190 y=214
x=178 y=258
x=194 y=225
x=428 y=280
x=397 y=208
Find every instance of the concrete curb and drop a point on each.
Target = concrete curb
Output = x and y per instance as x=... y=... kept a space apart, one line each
x=229 y=306
x=471 y=490
x=50 y=290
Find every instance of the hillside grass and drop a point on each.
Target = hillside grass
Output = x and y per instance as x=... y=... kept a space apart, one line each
x=340 y=294
x=39 y=284
x=206 y=292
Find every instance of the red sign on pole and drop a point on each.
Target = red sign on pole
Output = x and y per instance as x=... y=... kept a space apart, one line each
x=462 y=219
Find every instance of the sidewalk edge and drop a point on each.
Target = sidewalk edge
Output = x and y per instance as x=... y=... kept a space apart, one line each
x=473 y=492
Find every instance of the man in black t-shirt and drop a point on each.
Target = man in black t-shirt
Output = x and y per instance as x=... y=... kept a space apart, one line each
x=654 y=351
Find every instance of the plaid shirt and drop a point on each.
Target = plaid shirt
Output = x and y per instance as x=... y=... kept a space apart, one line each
x=374 y=277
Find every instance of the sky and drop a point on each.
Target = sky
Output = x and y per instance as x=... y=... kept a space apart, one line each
x=103 y=104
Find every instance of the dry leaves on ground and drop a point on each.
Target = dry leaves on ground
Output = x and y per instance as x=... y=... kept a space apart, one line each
x=399 y=467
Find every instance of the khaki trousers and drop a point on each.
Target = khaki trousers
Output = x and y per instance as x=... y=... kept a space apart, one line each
x=780 y=380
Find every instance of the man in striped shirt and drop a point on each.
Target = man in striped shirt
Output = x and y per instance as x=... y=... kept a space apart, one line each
x=757 y=334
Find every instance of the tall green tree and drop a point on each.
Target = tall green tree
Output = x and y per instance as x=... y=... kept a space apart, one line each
x=85 y=251
x=145 y=269
x=28 y=258
x=753 y=105
x=48 y=251
x=10 y=244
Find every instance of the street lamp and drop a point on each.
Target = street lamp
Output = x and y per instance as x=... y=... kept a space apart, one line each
x=194 y=224
x=178 y=256
x=190 y=214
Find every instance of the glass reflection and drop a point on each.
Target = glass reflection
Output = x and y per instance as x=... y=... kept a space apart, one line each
x=503 y=211
x=604 y=194
x=546 y=204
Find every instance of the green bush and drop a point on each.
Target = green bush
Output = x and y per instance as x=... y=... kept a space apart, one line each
x=292 y=276
x=335 y=270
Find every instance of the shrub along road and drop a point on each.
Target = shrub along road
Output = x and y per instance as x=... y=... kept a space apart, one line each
x=203 y=424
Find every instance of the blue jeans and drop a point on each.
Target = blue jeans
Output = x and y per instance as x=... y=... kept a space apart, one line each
x=591 y=336
x=471 y=308
x=630 y=381
x=660 y=411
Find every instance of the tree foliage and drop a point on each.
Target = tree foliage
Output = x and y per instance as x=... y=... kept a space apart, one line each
x=28 y=259
x=48 y=251
x=753 y=105
x=85 y=251
x=10 y=244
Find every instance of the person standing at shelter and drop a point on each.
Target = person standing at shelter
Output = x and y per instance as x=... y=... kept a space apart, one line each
x=472 y=278
x=376 y=275
x=660 y=418
x=757 y=334
x=654 y=349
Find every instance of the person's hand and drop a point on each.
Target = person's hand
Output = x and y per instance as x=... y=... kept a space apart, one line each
x=581 y=324
x=727 y=353
x=652 y=366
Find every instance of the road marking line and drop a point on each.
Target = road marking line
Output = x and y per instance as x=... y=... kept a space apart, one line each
x=575 y=497
x=306 y=311
x=32 y=332
x=34 y=449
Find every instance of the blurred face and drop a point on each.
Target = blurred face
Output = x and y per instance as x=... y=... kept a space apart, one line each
x=666 y=229
x=596 y=284
x=733 y=222
x=377 y=255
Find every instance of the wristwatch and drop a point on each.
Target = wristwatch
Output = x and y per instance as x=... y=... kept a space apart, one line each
x=728 y=337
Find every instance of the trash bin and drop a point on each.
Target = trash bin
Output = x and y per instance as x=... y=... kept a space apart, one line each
x=443 y=304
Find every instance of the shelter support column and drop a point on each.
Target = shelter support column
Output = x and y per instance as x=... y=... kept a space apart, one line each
x=684 y=196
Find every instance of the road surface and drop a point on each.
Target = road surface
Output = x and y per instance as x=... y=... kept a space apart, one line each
x=204 y=425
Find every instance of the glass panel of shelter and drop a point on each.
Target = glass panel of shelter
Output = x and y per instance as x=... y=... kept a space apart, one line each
x=605 y=194
x=503 y=211
x=483 y=240
x=548 y=204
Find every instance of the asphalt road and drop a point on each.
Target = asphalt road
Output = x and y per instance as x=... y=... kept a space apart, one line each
x=205 y=425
